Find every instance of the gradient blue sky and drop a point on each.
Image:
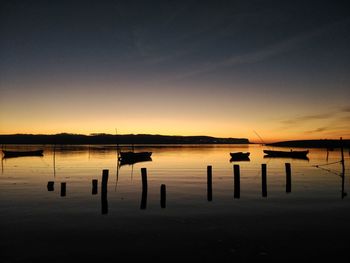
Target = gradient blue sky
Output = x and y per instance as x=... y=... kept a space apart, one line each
x=220 y=68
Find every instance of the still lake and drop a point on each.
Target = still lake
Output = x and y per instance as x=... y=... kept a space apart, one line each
x=27 y=208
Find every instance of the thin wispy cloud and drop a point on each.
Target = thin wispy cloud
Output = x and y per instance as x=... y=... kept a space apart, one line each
x=320 y=129
x=346 y=109
x=262 y=54
x=307 y=118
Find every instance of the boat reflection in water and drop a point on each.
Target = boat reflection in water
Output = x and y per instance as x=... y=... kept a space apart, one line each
x=288 y=154
x=133 y=160
x=13 y=154
x=134 y=155
x=305 y=158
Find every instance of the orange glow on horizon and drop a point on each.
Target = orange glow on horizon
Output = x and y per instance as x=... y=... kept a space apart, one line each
x=173 y=114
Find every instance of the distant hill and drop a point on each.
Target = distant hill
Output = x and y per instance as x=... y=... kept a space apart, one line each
x=312 y=144
x=65 y=138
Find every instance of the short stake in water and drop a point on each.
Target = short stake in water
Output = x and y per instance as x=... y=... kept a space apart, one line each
x=237 y=182
x=104 y=201
x=63 y=189
x=94 y=186
x=162 y=196
x=263 y=180
x=288 y=178
x=50 y=186
x=144 y=188
x=104 y=180
x=209 y=183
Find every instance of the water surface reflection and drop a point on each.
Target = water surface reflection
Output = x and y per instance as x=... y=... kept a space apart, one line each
x=183 y=169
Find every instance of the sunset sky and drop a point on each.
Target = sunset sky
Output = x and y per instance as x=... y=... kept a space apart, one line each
x=217 y=68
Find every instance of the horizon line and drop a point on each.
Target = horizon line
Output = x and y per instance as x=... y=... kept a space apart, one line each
x=147 y=134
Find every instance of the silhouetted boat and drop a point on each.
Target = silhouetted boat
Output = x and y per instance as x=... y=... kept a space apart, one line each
x=239 y=156
x=289 y=154
x=124 y=156
x=9 y=154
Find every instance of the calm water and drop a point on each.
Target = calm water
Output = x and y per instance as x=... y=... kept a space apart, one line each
x=182 y=169
x=312 y=221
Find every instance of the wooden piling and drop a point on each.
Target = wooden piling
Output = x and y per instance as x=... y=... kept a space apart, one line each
x=63 y=189
x=162 y=196
x=209 y=183
x=94 y=186
x=342 y=155
x=237 y=187
x=144 y=188
x=264 y=180
x=50 y=186
x=144 y=178
x=104 y=201
x=288 y=178
x=104 y=180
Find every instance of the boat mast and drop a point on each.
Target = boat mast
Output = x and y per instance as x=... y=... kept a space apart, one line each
x=116 y=134
x=262 y=141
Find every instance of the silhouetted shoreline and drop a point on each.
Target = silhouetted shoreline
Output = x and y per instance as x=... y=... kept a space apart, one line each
x=312 y=144
x=65 y=138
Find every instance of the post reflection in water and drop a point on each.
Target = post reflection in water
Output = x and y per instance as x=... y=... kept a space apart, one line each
x=237 y=181
x=140 y=211
x=264 y=180
x=179 y=167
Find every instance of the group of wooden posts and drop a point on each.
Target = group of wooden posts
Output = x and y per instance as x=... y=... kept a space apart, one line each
x=237 y=181
x=236 y=175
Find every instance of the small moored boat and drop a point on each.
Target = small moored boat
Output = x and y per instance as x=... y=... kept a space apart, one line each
x=240 y=156
x=9 y=154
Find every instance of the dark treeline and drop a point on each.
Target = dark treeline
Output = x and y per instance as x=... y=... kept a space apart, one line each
x=313 y=144
x=114 y=139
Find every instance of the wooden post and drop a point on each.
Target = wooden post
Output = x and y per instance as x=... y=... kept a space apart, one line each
x=94 y=186
x=63 y=189
x=237 y=187
x=209 y=183
x=263 y=180
x=162 y=196
x=50 y=186
x=342 y=155
x=343 y=194
x=288 y=178
x=144 y=188
x=144 y=178
x=104 y=201
x=104 y=180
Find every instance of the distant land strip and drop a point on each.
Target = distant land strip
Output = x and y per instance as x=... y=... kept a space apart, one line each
x=313 y=143
x=66 y=138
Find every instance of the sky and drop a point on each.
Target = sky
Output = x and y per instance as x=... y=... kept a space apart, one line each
x=280 y=69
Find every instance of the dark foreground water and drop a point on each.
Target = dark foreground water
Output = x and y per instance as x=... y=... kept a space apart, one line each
x=308 y=219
